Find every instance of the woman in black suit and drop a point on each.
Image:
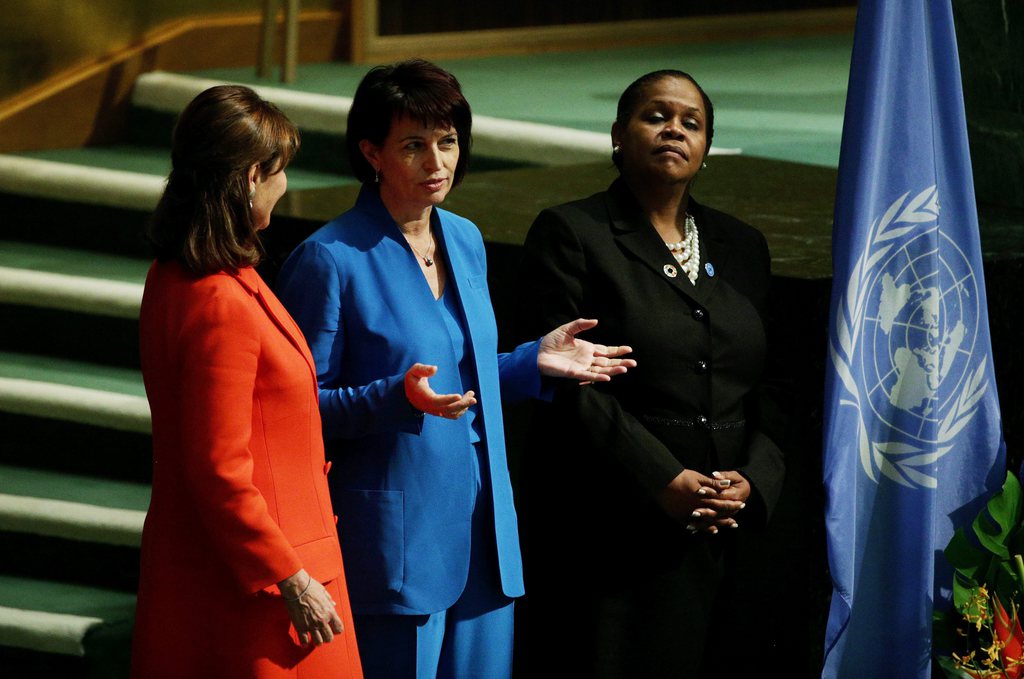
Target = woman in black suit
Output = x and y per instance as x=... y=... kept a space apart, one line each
x=630 y=529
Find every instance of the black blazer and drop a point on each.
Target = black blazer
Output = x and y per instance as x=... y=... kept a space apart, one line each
x=602 y=451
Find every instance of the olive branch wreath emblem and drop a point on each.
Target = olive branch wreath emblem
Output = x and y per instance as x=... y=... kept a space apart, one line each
x=903 y=463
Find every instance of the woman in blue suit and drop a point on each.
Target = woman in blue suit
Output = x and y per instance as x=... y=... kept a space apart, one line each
x=392 y=296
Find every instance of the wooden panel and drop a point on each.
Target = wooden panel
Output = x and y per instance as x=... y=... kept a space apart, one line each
x=370 y=47
x=89 y=104
x=404 y=17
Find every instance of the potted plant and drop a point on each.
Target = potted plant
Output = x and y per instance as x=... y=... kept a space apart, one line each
x=982 y=634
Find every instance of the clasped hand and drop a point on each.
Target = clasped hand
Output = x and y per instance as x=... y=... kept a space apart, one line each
x=704 y=503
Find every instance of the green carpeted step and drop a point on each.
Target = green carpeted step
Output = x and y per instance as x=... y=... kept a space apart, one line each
x=47 y=190
x=56 y=617
x=61 y=278
x=77 y=335
x=71 y=446
x=144 y=160
x=74 y=488
x=102 y=379
x=66 y=175
x=48 y=259
x=779 y=98
x=70 y=303
x=498 y=142
x=69 y=390
x=156 y=161
x=76 y=224
x=83 y=508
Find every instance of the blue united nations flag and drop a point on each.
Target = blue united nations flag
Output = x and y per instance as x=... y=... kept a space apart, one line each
x=913 y=442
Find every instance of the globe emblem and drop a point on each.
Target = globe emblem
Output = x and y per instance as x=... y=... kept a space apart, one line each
x=919 y=330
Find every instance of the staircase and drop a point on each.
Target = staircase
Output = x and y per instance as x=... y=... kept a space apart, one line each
x=75 y=447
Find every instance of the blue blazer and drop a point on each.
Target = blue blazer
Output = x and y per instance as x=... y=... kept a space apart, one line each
x=403 y=483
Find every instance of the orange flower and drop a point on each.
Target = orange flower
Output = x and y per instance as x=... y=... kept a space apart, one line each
x=1010 y=639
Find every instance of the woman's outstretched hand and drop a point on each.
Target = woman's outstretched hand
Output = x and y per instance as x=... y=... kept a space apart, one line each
x=423 y=398
x=311 y=609
x=563 y=354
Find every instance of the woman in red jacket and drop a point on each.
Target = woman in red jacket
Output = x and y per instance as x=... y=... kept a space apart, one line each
x=241 y=570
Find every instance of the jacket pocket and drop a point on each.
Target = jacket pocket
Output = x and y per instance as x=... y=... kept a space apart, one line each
x=371 y=525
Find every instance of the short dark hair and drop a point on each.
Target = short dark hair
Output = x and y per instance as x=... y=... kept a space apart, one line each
x=633 y=95
x=416 y=89
x=203 y=219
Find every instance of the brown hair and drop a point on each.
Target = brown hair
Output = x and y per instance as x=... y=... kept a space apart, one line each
x=417 y=89
x=203 y=219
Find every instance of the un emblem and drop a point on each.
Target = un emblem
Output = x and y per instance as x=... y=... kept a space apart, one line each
x=904 y=342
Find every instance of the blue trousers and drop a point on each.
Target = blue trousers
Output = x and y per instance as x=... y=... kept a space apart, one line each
x=470 y=640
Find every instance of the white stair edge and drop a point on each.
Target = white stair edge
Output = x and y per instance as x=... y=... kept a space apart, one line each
x=82 y=183
x=501 y=137
x=124 y=412
x=171 y=92
x=47 y=632
x=71 y=520
x=70 y=293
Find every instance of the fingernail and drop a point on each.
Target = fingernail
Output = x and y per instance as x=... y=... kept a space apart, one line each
x=725 y=483
x=734 y=525
x=743 y=505
x=714 y=530
x=695 y=515
x=701 y=491
x=690 y=527
x=717 y=475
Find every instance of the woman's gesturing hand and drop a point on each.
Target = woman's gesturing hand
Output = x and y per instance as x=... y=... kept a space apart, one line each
x=311 y=609
x=423 y=398
x=562 y=354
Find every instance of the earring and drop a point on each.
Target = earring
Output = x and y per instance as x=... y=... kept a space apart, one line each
x=376 y=176
x=616 y=149
x=252 y=194
x=704 y=164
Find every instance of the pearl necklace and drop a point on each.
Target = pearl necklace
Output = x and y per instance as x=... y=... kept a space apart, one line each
x=687 y=251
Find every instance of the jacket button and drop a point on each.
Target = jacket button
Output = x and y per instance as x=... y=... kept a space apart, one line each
x=699 y=314
x=700 y=367
x=702 y=420
x=327 y=467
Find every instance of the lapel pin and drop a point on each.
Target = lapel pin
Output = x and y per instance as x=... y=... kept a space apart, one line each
x=670 y=271
x=710 y=268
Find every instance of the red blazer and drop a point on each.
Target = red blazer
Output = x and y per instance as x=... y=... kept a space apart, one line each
x=240 y=498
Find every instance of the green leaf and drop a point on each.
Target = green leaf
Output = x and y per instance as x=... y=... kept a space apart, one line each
x=964 y=556
x=995 y=526
x=950 y=668
x=964 y=591
x=1005 y=584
